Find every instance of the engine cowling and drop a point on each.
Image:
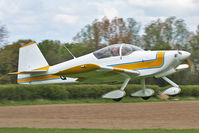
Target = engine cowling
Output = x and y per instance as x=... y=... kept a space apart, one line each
x=171 y=91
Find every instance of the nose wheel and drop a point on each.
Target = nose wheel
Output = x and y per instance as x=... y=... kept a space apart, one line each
x=144 y=93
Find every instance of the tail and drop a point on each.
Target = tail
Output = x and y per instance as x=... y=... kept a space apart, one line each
x=34 y=69
x=31 y=61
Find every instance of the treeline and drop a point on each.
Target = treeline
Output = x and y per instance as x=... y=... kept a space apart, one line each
x=63 y=92
x=172 y=33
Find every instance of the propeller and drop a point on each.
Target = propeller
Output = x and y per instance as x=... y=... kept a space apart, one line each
x=191 y=65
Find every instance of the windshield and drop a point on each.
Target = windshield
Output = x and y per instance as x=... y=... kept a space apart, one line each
x=114 y=50
x=128 y=49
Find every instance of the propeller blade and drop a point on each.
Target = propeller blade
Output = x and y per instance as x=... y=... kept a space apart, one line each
x=191 y=65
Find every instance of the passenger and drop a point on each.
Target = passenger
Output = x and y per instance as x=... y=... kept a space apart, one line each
x=124 y=52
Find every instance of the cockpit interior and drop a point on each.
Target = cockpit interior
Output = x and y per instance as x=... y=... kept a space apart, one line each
x=116 y=50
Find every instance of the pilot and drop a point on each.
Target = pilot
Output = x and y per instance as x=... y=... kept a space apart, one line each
x=124 y=52
x=115 y=51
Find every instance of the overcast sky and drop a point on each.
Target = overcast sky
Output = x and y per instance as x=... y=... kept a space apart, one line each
x=62 y=19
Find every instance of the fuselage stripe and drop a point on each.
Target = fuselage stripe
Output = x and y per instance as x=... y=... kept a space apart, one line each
x=144 y=64
x=38 y=78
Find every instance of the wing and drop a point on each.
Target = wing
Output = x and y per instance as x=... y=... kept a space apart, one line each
x=91 y=73
x=105 y=68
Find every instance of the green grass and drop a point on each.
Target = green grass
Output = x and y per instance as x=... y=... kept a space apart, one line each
x=83 y=101
x=40 y=130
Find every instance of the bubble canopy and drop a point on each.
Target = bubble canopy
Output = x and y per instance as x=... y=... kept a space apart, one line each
x=116 y=50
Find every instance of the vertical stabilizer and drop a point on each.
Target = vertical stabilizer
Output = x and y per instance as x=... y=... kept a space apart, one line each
x=30 y=58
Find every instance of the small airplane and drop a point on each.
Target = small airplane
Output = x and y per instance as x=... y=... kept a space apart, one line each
x=118 y=62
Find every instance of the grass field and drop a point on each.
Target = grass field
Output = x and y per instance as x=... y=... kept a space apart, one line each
x=83 y=101
x=39 y=130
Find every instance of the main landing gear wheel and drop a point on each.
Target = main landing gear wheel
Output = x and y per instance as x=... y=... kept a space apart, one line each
x=118 y=99
x=145 y=98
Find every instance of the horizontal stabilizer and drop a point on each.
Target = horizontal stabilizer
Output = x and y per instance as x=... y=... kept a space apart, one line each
x=35 y=71
x=29 y=72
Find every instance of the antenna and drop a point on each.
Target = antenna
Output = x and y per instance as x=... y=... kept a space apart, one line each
x=69 y=51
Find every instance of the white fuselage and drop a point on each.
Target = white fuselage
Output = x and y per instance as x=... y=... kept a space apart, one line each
x=150 y=63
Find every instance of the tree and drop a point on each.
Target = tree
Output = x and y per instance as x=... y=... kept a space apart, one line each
x=3 y=33
x=9 y=61
x=107 y=32
x=76 y=49
x=89 y=35
x=50 y=50
x=172 y=33
x=119 y=31
x=194 y=44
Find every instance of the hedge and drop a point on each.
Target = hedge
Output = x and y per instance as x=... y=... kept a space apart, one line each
x=60 y=92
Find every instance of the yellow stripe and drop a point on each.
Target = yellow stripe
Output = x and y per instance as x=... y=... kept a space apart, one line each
x=38 y=78
x=143 y=65
x=118 y=69
x=79 y=69
x=28 y=44
x=43 y=68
